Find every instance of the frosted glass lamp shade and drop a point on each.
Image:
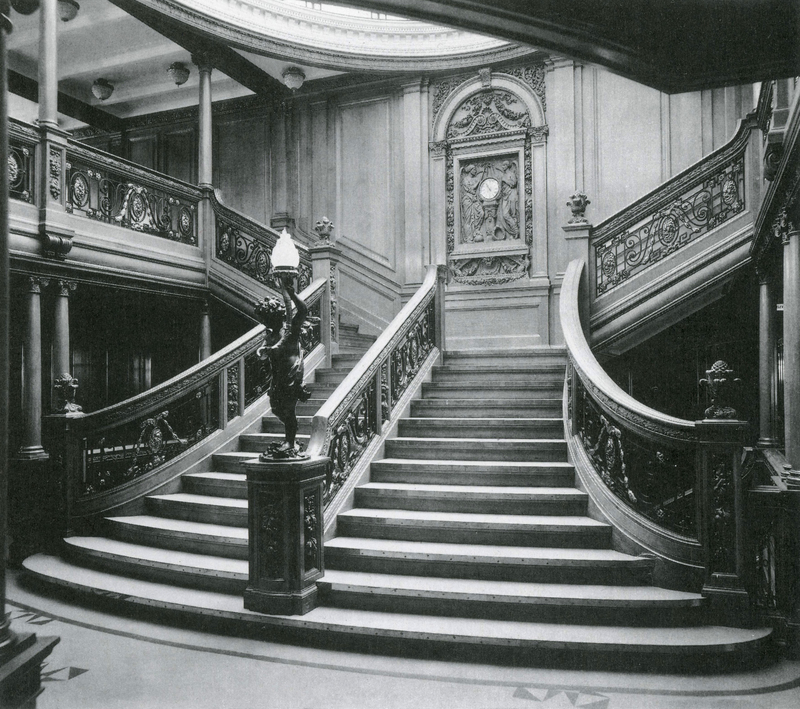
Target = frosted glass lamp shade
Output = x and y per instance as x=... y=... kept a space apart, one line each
x=285 y=256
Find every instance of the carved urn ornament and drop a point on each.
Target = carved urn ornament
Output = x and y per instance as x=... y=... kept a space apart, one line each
x=324 y=230
x=577 y=204
x=178 y=72
x=102 y=89
x=720 y=382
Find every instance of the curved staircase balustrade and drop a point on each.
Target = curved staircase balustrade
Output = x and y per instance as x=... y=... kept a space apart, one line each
x=106 y=453
x=246 y=245
x=109 y=189
x=677 y=213
x=641 y=463
x=356 y=411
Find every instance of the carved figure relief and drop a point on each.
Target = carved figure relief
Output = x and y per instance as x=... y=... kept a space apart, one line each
x=492 y=111
x=489 y=200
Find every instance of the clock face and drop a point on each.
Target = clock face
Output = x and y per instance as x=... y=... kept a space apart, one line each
x=489 y=188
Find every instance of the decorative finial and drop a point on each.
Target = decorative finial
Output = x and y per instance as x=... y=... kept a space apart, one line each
x=323 y=228
x=66 y=387
x=577 y=204
x=720 y=381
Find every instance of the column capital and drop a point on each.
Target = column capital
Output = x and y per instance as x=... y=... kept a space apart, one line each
x=64 y=287
x=782 y=227
x=36 y=283
x=205 y=306
x=202 y=59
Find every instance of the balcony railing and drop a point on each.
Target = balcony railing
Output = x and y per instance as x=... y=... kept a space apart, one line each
x=22 y=142
x=114 y=191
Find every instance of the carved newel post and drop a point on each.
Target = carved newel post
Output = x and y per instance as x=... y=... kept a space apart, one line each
x=722 y=532
x=578 y=233
x=325 y=264
x=285 y=486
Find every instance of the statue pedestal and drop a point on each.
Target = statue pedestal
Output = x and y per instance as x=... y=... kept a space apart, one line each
x=285 y=526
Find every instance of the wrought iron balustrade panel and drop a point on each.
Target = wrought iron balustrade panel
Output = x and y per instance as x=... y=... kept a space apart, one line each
x=249 y=252
x=703 y=207
x=656 y=481
x=407 y=356
x=114 y=198
x=257 y=377
x=350 y=436
x=311 y=333
x=118 y=455
x=21 y=170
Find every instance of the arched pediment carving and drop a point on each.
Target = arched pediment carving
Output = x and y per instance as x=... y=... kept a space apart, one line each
x=486 y=112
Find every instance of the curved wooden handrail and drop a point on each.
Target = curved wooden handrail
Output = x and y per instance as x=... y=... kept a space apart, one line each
x=607 y=393
x=161 y=395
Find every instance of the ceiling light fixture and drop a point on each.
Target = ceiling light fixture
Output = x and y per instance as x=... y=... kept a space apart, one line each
x=178 y=72
x=25 y=7
x=102 y=89
x=293 y=77
x=67 y=9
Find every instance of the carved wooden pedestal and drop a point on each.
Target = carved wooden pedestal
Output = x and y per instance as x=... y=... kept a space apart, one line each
x=722 y=519
x=285 y=525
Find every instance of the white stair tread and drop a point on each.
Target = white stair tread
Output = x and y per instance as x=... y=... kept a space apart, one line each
x=478 y=442
x=478 y=631
x=487 y=490
x=509 y=554
x=157 y=555
x=489 y=464
x=229 y=477
x=191 y=499
x=476 y=518
x=488 y=421
x=508 y=589
x=182 y=526
x=238 y=455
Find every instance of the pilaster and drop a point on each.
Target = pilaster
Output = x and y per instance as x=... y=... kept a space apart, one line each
x=766 y=360
x=791 y=342
x=205 y=330
x=325 y=264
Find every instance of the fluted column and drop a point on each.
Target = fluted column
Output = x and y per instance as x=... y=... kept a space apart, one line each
x=31 y=448
x=48 y=63
x=204 y=163
x=766 y=361
x=205 y=331
x=791 y=343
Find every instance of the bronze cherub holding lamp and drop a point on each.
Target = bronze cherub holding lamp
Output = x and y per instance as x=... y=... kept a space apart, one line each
x=283 y=348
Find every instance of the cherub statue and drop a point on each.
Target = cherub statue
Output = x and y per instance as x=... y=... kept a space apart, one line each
x=283 y=349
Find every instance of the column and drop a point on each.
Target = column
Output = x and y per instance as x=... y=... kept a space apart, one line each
x=48 y=63
x=766 y=360
x=281 y=121
x=204 y=163
x=61 y=350
x=205 y=331
x=791 y=344
x=415 y=218
x=31 y=448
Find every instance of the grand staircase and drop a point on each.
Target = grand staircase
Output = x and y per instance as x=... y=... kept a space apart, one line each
x=469 y=541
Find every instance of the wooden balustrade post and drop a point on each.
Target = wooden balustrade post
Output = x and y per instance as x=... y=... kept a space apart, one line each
x=325 y=264
x=721 y=517
x=285 y=534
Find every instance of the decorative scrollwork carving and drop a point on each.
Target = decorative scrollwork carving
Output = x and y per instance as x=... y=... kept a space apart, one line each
x=489 y=270
x=533 y=76
x=232 y=377
x=20 y=170
x=54 y=166
x=703 y=206
x=271 y=553
x=488 y=112
x=310 y=531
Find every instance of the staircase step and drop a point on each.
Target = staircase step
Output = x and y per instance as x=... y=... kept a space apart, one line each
x=331 y=376
x=511 y=600
x=310 y=407
x=347 y=359
x=553 y=373
x=470 y=472
x=430 y=427
x=179 y=535
x=259 y=442
x=199 y=508
x=472 y=498
x=486 y=561
x=495 y=408
x=271 y=424
x=542 y=644
x=507 y=358
x=486 y=449
x=164 y=565
x=462 y=527
x=491 y=390
x=232 y=461
x=215 y=484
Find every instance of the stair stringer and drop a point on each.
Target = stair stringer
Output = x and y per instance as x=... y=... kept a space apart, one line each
x=678 y=559
x=344 y=499
x=129 y=499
